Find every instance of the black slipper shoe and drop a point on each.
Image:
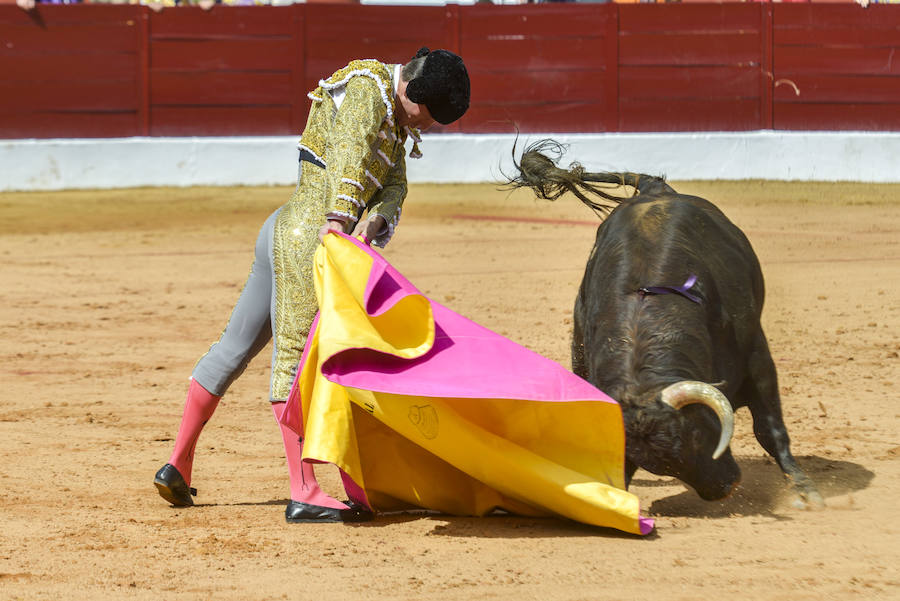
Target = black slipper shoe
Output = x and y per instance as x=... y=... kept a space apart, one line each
x=172 y=487
x=297 y=512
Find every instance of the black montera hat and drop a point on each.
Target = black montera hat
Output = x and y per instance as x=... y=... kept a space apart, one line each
x=442 y=86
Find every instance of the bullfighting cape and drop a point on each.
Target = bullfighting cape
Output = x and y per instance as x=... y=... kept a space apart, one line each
x=424 y=408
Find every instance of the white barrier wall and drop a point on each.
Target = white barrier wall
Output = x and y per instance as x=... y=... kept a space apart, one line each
x=458 y=158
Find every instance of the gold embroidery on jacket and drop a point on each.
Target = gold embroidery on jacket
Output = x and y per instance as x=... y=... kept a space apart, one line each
x=360 y=138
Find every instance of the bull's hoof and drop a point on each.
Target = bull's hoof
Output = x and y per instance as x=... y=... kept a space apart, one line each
x=172 y=487
x=297 y=512
x=809 y=500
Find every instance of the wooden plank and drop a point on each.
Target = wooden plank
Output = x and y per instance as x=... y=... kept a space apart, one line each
x=535 y=86
x=837 y=117
x=263 y=54
x=222 y=22
x=766 y=68
x=386 y=51
x=839 y=35
x=700 y=48
x=220 y=88
x=299 y=104
x=454 y=28
x=373 y=24
x=78 y=96
x=86 y=38
x=534 y=21
x=812 y=17
x=68 y=67
x=806 y=88
x=355 y=26
x=611 y=81
x=70 y=71
x=543 y=117
x=143 y=74
x=245 y=70
x=689 y=115
x=331 y=58
x=16 y=124
x=578 y=54
x=48 y=16
x=719 y=82
x=668 y=18
x=870 y=61
x=220 y=121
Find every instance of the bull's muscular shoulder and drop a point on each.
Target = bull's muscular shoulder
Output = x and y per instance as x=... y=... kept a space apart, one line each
x=659 y=236
x=651 y=214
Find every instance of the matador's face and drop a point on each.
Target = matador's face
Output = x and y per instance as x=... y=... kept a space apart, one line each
x=411 y=114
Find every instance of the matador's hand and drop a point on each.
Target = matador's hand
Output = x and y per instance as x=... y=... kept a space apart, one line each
x=370 y=228
x=332 y=225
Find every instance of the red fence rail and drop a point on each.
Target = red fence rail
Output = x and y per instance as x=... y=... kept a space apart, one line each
x=693 y=67
x=72 y=73
x=114 y=70
x=853 y=83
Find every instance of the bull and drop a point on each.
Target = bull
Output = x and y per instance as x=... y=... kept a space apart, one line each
x=667 y=322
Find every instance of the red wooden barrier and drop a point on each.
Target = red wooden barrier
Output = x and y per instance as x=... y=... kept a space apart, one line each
x=66 y=73
x=337 y=34
x=837 y=67
x=223 y=72
x=691 y=67
x=114 y=70
x=542 y=68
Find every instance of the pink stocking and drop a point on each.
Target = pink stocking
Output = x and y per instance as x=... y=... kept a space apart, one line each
x=198 y=408
x=304 y=487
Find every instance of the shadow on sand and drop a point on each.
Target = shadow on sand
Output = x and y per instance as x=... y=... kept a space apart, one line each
x=504 y=525
x=763 y=490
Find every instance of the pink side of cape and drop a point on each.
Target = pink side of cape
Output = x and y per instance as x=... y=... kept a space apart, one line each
x=466 y=361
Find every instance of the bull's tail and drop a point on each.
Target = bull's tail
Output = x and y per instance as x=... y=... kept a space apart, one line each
x=538 y=171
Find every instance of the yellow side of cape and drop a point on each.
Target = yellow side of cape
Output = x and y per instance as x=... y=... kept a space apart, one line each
x=463 y=456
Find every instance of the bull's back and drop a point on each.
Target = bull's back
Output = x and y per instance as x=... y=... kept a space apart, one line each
x=655 y=241
x=662 y=241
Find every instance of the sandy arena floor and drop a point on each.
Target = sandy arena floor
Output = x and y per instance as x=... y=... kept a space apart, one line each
x=108 y=299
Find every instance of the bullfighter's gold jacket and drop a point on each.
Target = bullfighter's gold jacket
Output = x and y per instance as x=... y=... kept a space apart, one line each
x=353 y=136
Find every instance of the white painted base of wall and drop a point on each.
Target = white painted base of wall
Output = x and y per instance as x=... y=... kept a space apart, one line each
x=59 y=164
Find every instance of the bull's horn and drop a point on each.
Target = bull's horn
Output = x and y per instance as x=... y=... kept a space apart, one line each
x=689 y=392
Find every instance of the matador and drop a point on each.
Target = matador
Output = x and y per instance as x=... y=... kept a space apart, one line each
x=352 y=163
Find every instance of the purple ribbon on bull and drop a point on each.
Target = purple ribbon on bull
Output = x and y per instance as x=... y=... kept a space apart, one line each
x=682 y=290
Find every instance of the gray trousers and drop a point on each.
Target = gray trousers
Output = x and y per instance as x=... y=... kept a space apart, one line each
x=249 y=328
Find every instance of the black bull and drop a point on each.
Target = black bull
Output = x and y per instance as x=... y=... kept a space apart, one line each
x=667 y=322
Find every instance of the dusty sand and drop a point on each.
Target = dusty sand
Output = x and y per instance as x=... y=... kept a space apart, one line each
x=108 y=299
